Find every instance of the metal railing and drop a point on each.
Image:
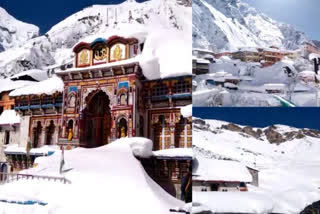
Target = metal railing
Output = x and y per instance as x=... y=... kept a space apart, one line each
x=10 y=177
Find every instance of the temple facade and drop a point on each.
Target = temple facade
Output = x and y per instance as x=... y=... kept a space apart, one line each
x=106 y=96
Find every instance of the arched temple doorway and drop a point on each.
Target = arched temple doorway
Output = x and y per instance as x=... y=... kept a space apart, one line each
x=122 y=128
x=96 y=120
x=49 y=133
x=36 y=135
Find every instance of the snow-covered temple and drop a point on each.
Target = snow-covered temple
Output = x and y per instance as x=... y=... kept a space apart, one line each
x=104 y=97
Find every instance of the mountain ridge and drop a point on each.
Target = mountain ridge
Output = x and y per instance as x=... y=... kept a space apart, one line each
x=227 y=25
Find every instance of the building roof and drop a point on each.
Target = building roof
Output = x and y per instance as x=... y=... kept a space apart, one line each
x=9 y=85
x=48 y=86
x=36 y=74
x=220 y=170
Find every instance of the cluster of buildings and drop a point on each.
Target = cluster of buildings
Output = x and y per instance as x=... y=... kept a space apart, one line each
x=264 y=56
x=105 y=96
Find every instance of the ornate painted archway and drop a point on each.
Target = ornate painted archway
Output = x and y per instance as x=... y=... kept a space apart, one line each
x=95 y=122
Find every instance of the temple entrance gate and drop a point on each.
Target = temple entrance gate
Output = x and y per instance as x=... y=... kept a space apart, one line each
x=95 y=123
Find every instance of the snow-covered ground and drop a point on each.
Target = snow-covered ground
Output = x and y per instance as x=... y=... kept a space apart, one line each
x=106 y=179
x=255 y=83
x=288 y=173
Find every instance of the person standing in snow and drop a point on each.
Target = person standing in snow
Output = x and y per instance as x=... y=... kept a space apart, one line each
x=186 y=187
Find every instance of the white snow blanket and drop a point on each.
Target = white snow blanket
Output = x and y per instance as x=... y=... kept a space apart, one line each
x=107 y=178
x=9 y=117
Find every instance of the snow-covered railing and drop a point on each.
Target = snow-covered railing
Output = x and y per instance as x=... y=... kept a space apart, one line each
x=10 y=177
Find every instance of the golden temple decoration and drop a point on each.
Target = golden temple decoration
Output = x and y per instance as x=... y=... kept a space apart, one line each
x=123 y=132
x=117 y=52
x=70 y=134
x=100 y=53
x=84 y=57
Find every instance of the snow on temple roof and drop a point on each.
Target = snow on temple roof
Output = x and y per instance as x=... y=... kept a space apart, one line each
x=220 y=170
x=8 y=84
x=174 y=153
x=48 y=86
x=100 y=66
x=36 y=74
x=186 y=111
x=162 y=57
x=9 y=117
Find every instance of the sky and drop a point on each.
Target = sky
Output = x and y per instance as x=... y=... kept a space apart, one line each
x=44 y=13
x=304 y=15
x=262 y=117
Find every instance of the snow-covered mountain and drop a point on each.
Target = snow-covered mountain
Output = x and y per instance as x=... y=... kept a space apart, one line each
x=230 y=24
x=286 y=157
x=126 y=19
x=14 y=32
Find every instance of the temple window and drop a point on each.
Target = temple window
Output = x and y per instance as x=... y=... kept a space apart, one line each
x=7 y=137
x=36 y=134
x=160 y=89
x=123 y=99
x=47 y=99
x=59 y=98
x=182 y=87
x=24 y=101
x=49 y=133
x=35 y=100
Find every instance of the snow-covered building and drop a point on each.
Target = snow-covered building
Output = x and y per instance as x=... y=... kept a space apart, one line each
x=247 y=54
x=308 y=48
x=110 y=93
x=219 y=175
x=107 y=96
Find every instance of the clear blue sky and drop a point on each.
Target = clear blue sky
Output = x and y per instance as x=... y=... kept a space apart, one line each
x=262 y=117
x=302 y=14
x=46 y=13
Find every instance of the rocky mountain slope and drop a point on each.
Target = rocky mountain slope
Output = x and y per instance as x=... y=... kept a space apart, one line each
x=14 y=32
x=126 y=19
x=230 y=24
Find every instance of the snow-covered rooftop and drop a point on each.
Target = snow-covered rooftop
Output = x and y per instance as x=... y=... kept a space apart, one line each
x=48 y=86
x=9 y=117
x=206 y=169
x=36 y=74
x=8 y=84
x=174 y=153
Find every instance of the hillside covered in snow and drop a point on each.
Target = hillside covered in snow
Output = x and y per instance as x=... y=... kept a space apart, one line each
x=226 y=25
x=286 y=157
x=14 y=32
x=172 y=18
